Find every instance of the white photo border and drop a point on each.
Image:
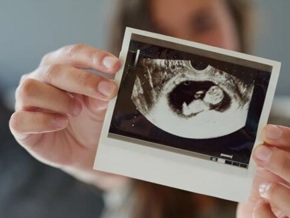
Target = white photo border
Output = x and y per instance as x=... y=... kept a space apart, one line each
x=176 y=169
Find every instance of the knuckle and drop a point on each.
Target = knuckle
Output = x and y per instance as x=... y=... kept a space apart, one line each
x=45 y=59
x=25 y=89
x=50 y=71
x=282 y=161
x=87 y=81
x=71 y=50
x=23 y=77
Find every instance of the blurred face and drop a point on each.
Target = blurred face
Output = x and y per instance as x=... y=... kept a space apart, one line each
x=204 y=21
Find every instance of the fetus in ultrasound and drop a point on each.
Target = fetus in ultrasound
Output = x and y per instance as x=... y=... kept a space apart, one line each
x=190 y=102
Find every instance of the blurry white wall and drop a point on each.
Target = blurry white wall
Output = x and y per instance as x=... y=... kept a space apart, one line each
x=31 y=28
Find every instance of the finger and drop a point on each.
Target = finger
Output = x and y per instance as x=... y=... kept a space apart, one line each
x=34 y=94
x=98 y=108
x=275 y=160
x=83 y=56
x=27 y=128
x=278 y=195
x=278 y=136
x=78 y=81
x=24 y=123
x=263 y=210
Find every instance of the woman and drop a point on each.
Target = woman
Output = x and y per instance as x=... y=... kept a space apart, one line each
x=63 y=131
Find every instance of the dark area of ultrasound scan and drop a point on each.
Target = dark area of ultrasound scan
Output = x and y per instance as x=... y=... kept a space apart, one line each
x=214 y=89
x=188 y=91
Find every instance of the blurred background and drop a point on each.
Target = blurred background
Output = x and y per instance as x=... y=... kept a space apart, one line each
x=30 y=29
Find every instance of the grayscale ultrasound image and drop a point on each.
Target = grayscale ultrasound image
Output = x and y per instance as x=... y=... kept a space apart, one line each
x=189 y=102
x=172 y=91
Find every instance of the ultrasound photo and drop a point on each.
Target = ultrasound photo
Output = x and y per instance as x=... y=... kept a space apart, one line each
x=170 y=92
x=186 y=114
x=198 y=104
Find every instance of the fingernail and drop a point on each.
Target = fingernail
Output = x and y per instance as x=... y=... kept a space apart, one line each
x=264 y=188
x=61 y=121
x=273 y=132
x=109 y=62
x=107 y=88
x=263 y=153
x=77 y=109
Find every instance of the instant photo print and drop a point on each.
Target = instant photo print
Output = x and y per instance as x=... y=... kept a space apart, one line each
x=187 y=115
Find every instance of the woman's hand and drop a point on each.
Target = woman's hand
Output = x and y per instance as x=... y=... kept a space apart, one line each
x=60 y=109
x=270 y=195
